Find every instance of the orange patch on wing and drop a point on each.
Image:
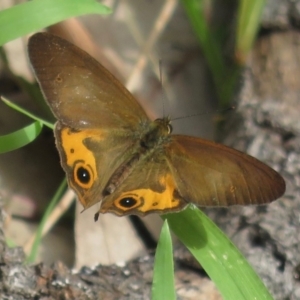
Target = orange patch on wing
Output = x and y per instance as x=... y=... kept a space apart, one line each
x=146 y=200
x=72 y=143
x=78 y=155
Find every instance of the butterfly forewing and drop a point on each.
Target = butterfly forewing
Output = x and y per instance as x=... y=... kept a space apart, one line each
x=80 y=91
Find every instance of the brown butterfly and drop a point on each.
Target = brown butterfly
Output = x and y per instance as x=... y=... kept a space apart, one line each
x=114 y=154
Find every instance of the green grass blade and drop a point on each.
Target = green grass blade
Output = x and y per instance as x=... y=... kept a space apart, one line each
x=10 y=243
x=26 y=113
x=224 y=77
x=222 y=261
x=34 y=250
x=20 y=137
x=249 y=14
x=163 y=286
x=209 y=45
x=36 y=14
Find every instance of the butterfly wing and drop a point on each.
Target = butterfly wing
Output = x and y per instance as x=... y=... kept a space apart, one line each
x=80 y=91
x=90 y=157
x=149 y=188
x=190 y=169
x=99 y=121
x=211 y=174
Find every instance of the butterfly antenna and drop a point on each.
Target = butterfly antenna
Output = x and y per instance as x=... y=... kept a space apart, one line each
x=206 y=113
x=161 y=84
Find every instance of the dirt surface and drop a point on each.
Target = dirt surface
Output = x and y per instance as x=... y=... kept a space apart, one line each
x=133 y=280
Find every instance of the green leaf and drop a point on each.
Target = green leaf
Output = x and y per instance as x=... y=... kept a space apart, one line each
x=219 y=257
x=249 y=15
x=20 y=137
x=223 y=75
x=163 y=286
x=26 y=113
x=38 y=239
x=36 y=14
x=208 y=42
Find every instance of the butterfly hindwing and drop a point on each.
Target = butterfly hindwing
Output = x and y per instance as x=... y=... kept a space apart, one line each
x=149 y=188
x=210 y=174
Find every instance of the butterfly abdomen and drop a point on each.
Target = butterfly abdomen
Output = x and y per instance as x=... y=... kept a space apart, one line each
x=120 y=175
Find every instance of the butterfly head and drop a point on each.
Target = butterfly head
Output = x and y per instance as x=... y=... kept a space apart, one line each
x=164 y=125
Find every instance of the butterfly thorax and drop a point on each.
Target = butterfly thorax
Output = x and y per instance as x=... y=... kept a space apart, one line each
x=156 y=133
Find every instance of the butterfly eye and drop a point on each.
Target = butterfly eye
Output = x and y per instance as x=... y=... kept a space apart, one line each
x=83 y=175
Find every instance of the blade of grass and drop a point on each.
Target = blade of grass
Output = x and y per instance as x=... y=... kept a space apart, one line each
x=249 y=14
x=34 y=92
x=163 y=286
x=222 y=261
x=36 y=14
x=224 y=76
x=20 y=138
x=37 y=241
x=26 y=113
x=209 y=45
x=10 y=243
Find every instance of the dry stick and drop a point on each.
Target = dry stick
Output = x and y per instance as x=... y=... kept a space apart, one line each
x=55 y=215
x=159 y=25
x=138 y=36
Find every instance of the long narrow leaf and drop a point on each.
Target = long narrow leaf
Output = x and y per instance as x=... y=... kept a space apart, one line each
x=163 y=286
x=36 y=14
x=26 y=113
x=224 y=77
x=249 y=15
x=222 y=261
x=209 y=45
x=20 y=137
x=34 y=251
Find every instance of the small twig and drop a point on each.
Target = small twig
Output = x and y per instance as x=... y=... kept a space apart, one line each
x=55 y=215
x=160 y=24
